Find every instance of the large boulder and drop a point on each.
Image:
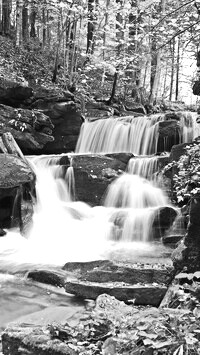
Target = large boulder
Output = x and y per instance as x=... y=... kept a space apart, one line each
x=31 y=128
x=14 y=93
x=93 y=173
x=17 y=183
x=65 y=114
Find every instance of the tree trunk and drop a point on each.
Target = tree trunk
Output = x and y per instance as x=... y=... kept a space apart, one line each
x=0 y=16
x=177 y=69
x=114 y=87
x=172 y=68
x=19 y=5
x=6 y=11
x=105 y=27
x=25 y=24
x=33 y=20
x=156 y=62
x=90 y=26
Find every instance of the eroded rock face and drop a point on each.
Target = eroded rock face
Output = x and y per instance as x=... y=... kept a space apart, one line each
x=31 y=129
x=169 y=135
x=188 y=252
x=64 y=112
x=17 y=182
x=14 y=93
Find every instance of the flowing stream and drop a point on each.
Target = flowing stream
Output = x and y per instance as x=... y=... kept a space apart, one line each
x=65 y=230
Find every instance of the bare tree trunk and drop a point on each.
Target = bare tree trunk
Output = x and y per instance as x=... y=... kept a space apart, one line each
x=44 y=23
x=172 y=68
x=177 y=68
x=90 y=25
x=25 y=24
x=156 y=62
x=0 y=16
x=33 y=20
x=6 y=11
x=19 y=6
x=105 y=27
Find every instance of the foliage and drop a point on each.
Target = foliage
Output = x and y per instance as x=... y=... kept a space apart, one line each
x=83 y=43
x=130 y=330
x=186 y=174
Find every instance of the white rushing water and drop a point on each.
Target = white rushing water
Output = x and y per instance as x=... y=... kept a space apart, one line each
x=138 y=135
x=63 y=230
x=145 y=167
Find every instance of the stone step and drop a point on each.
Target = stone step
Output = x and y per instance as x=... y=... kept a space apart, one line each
x=148 y=294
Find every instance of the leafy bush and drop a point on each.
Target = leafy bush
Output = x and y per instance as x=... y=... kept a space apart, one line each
x=186 y=174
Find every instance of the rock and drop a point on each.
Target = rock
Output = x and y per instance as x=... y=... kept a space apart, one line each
x=14 y=93
x=93 y=173
x=66 y=118
x=135 y=108
x=173 y=106
x=143 y=294
x=169 y=135
x=172 y=239
x=103 y=271
x=51 y=277
x=162 y=220
x=177 y=151
x=18 y=340
x=31 y=129
x=196 y=88
x=2 y=232
x=17 y=180
x=188 y=253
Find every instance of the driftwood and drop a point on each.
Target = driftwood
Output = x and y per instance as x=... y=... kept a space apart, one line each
x=11 y=146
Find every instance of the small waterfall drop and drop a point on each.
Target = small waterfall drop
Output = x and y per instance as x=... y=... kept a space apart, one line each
x=137 y=135
x=145 y=167
x=136 y=202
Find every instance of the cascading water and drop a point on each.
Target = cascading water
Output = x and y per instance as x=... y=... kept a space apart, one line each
x=137 y=201
x=143 y=166
x=138 y=135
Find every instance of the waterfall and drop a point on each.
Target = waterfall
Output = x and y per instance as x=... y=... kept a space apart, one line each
x=136 y=202
x=189 y=127
x=138 y=135
x=143 y=166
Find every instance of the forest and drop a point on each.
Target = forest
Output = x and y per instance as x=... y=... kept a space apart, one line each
x=143 y=49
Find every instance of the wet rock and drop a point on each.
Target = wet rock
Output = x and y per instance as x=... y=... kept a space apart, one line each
x=172 y=239
x=51 y=277
x=2 y=232
x=188 y=254
x=93 y=174
x=162 y=219
x=103 y=271
x=14 y=93
x=31 y=129
x=143 y=294
x=169 y=135
x=17 y=182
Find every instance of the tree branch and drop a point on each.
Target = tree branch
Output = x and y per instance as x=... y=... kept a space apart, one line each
x=171 y=13
x=177 y=34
